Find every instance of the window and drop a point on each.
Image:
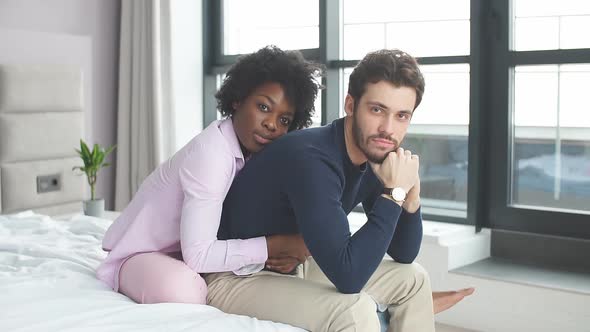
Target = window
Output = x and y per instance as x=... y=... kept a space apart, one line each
x=537 y=115
x=546 y=25
x=250 y=25
x=503 y=130
x=550 y=167
x=376 y=24
x=551 y=160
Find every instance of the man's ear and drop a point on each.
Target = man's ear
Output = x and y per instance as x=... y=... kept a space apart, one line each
x=235 y=105
x=348 y=105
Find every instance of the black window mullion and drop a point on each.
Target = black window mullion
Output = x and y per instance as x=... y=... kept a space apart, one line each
x=209 y=102
x=443 y=60
x=330 y=22
x=217 y=7
x=432 y=60
x=549 y=57
x=477 y=195
x=223 y=62
x=539 y=221
x=498 y=113
x=212 y=36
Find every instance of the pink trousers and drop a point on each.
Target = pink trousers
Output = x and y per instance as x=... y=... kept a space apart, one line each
x=157 y=277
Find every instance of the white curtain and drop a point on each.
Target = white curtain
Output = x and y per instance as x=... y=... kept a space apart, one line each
x=145 y=112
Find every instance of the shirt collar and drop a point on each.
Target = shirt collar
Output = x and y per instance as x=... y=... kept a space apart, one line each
x=227 y=130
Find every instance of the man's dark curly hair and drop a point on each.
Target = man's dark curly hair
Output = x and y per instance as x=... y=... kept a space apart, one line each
x=394 y=66
x=297 y=76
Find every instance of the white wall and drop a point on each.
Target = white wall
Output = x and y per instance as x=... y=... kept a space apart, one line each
x=99 y=21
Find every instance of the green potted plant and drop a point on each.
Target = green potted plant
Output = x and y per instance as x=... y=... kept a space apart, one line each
x=93 y=161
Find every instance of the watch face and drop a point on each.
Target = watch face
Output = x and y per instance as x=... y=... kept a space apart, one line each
x=398 y=194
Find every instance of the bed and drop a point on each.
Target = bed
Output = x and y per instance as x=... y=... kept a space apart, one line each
x=47 y=283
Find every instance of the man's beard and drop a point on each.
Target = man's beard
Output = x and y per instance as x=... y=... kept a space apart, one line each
x=362 y=142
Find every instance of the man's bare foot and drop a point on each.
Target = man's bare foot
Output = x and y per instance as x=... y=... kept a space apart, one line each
x=444 y=300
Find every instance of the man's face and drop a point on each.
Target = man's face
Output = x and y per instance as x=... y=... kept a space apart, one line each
x=381 y=118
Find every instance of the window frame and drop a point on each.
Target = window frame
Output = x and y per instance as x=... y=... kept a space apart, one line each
x=502 y=61
x=489 y=140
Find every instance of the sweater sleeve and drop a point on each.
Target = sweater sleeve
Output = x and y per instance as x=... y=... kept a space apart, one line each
x=405 y=245
x=314 y=190
x=407 y=237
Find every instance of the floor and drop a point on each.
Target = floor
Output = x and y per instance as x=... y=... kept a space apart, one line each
x=448 y=328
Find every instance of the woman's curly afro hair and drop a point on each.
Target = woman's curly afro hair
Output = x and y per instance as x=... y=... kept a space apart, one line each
x=297 y=76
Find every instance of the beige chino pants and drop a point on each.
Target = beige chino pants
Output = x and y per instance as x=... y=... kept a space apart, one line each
x=310 y=301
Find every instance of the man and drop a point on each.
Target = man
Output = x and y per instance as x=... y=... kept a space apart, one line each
x=307 y=182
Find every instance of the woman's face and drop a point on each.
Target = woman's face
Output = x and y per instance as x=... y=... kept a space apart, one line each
x=262 y=117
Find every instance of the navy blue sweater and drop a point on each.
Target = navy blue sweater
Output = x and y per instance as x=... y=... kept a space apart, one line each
x=305 y=183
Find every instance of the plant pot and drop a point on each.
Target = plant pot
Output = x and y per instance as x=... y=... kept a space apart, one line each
x=94 y=208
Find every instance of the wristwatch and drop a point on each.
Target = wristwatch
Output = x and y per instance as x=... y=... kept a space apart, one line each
x=398 y=194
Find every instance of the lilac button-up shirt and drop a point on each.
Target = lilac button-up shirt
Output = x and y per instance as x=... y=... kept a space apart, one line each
x=178 y=208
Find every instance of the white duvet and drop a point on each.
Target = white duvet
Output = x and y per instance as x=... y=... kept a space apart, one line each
x=47 y=283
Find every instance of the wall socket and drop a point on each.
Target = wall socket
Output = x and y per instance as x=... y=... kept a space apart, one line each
x=48 y=183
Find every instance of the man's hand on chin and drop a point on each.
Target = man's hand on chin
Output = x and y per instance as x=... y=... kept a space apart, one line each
x=412 y=202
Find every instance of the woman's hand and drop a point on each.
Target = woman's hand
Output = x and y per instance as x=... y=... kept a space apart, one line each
x=291 y=245
x=285 y=252
x=285 y=265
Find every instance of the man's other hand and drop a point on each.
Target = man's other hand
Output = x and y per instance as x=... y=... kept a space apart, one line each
x=399 y=169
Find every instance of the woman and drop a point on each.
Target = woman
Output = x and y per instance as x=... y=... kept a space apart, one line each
x=167 y=235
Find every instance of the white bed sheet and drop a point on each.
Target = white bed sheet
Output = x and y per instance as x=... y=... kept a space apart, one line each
x=47 y=283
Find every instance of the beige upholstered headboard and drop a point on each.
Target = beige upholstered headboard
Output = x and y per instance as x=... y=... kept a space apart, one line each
x=41 y=122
